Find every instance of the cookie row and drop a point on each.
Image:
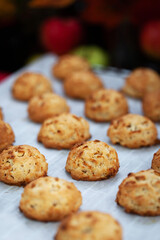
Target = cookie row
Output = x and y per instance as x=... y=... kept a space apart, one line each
x=88 y=161
x=65 y=130
x=80 y=82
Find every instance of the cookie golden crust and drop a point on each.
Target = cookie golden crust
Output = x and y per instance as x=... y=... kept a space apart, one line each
x=22 y=164
x=156 y=161
x=132 y=131
x=45 y=106
x=105 y=105
x=63 y=131
x=151 y=105
x=89 y=225
x=6 y=135
x=67 y=64
x=92 y=160
x=1 y=114
x=81 y=84
x=139 y=193
x=30 y=84
x=140 y=81
x=50 y=199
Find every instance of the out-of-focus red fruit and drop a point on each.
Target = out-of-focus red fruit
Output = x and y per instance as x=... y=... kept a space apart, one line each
x=3 y=75
x=50 y=3
x=61 y=35
x=150 y=39
x=142 y=11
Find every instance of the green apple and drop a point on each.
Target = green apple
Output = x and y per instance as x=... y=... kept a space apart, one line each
x=34 y=58
x=95 y=55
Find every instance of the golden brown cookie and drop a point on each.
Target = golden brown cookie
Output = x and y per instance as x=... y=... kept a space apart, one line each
x=1 y=114
x=45 y=106
x=22 y=164
x=81 y=84
x=132 y=131
x=156 y=161
x=6 y=135
x=92 y=160
x=50 y=199
x=151 y=105
x=67 y=64
x=30 y=84
x=63 y=131
x=139 y=193
x=140 y=81
x=105 y=105
x=89 y=225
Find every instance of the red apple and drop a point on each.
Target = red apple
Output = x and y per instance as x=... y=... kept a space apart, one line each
x=150 y=39
x=3 y=75
x=61 y=35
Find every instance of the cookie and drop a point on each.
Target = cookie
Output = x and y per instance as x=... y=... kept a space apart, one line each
x=67 y=64
x=63 y=131
x=81 y=84
x=50 y=199
x=22 y=164
x=132 y=131
x=92 y=160
x=89 y=225
x=105 y=105
x=1 y=114
x=151 y=105
x=156 y=161
x=6 y=135
x=30 y=84
x=45 y=106
x=139 y=193
x=140 y=81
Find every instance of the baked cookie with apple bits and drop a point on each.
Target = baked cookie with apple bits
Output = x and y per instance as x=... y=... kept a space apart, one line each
x=151 y=105
x=50 y=199
x=81 y=84
x=1 y=114
x=132 y=131
x=45 y=106
x=30 y=84
x=92 y=160
x=63 y=131
x=105 y=105
x=7 y=136
x=141 y=81
x=67 y=64
x=21 y=164
x=139 y=193
x=89 y=225
x=156 y=161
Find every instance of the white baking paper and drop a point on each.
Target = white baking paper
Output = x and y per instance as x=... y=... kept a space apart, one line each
x=98 y=195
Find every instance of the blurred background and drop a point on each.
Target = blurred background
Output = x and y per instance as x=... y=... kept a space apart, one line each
x=118 y=33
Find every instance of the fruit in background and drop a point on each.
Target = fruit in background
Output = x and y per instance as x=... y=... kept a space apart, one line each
x=50 y=3
x=142 y=11
x=33 y=58
x=61 y=35
x=3 y=75
x=150 y=39
x=95 y=55
x=109 y=13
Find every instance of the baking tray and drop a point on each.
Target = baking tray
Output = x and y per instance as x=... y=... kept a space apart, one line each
x=98 y=195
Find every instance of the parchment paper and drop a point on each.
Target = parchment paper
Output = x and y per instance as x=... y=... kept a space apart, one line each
x=99 y=195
